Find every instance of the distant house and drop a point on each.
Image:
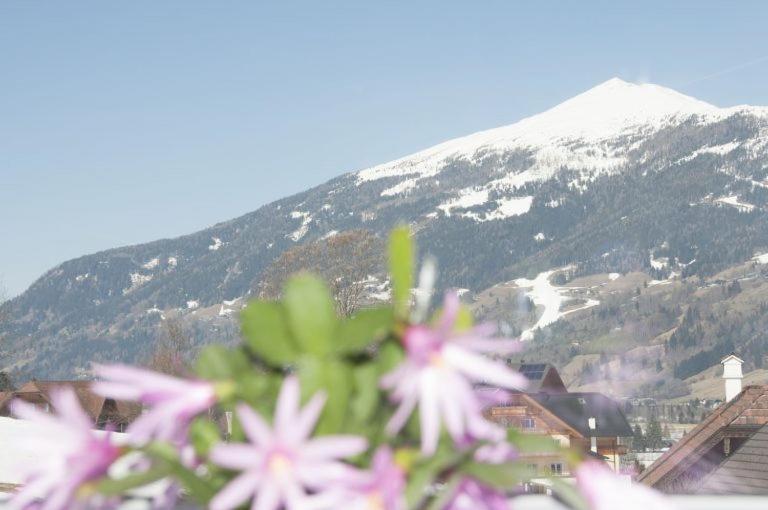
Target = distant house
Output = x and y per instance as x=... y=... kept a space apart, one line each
x=591 y=422
x=724 y=452
x=101 y=410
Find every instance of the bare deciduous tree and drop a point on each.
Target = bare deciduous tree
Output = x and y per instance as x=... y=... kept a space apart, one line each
x=346 y=261
x=173 y=351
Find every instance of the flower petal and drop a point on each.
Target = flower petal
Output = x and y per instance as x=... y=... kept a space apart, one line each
x=287 y=403
x=451 y=305
x=236 y=456
x=333 y=447
x=401 y=415
x=429 y=413
x=255 y=428
x=308 y=417
x=237 y=491
x=483 y=369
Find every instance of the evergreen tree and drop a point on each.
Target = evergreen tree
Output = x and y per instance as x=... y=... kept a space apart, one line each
x=6 y=383
x=638 y=441
x=653 y=436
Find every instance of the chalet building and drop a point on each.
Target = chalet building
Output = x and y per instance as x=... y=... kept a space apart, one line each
x=101 y=410
x=591 y=422
x=725 y=453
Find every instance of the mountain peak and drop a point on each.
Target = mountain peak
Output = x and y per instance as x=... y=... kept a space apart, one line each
x=607 y=111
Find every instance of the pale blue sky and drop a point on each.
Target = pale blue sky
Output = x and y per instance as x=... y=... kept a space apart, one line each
x=124 y=122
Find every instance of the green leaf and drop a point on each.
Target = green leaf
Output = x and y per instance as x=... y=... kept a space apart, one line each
x=366 y=398
x=217 y=362
x=401 y=263
x=311 y=314
x=365 y=327
x=424 y=473
x=389 y=356
x=501 y=476
x=569 y=494
x=447 y=492
x=115 y=487
x=265 y=329
x=335 y=379
x=204 y=434
x=200 y=489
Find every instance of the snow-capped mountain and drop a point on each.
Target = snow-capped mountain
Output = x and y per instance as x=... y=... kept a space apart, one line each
x=610 y=180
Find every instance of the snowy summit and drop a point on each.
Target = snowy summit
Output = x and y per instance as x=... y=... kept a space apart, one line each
x=584 y=130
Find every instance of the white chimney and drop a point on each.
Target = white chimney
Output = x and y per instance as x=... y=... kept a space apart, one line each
x=592 y=422
x=732 y=375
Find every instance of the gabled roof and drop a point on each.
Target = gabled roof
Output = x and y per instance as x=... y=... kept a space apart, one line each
x=745 y=471
x=576 y=409
x=732 y=356
x=542 y=377
x=698 y=441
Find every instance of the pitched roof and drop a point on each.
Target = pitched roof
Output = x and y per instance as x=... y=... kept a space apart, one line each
x=542 y=377
x=745 y=471
x=694 y=445
x=577 y=408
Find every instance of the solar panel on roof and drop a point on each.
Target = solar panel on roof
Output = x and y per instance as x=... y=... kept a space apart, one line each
x=534 y=371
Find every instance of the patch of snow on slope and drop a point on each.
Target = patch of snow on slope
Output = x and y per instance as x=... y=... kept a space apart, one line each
x=82 y=277
x=330 y=234
x=216 y=244
x=542 y=293
x=660 y=263
x=508 y=207
x=540 y=237
x=173 y=261
x=137 y=280
x=761 y=258
x=467 y=198
x=152 y=263
x=614 y=276
x=551 y=298
x=300 y=232
x=733 y=201
x=720 y=150
x=191 y=305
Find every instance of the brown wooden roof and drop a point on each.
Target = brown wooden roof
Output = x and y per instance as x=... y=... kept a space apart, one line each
x=749 y=408
x=745 y=471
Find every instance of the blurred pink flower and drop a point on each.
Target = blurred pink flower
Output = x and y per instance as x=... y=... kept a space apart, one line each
x=174 y=402
x=438 y=373
x=605 y=490
x=381 y=488
x=473 y=495
x=72 y=454
x=280 y=466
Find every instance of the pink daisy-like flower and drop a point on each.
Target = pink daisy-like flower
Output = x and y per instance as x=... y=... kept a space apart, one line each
x=604 y=490
x=281 y=466
x=473 y=495
x=74 y=454
x=381 y=488
x=174 y=402
x=438 y=374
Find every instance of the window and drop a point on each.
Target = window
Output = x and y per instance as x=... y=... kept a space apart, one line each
x=528 y=424
x=556 y=468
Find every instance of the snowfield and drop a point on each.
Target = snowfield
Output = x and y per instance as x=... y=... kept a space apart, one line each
x=551 y=298
x=587 y=133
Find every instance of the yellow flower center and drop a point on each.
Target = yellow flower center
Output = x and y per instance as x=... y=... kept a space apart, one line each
x=279 y=464
x=375 y=501
x=436 y=359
